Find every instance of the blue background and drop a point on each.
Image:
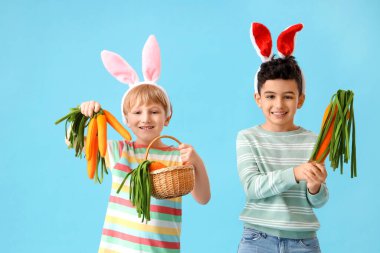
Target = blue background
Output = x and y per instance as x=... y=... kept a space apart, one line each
x=50 y=61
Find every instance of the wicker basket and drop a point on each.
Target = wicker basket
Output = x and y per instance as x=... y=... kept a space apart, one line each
x=171 y=182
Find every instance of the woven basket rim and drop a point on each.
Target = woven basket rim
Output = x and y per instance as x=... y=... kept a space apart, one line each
x=171 y=168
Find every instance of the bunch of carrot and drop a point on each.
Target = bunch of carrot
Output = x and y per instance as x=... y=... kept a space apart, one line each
x=140 y=187
x=95 y=145
x=338 y=126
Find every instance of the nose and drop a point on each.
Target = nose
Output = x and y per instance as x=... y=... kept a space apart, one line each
x=145 y=117
x=279 y=102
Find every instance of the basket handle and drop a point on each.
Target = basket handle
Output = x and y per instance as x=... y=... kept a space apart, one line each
x=155 y=139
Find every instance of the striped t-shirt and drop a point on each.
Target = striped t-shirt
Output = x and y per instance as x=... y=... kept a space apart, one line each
x=275 y=203
x=123 y=231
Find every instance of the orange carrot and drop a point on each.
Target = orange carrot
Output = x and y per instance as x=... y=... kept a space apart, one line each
x=102 y=134
x=326 y=114
x=117 y=126
x=325 y=145
x=326 y=142
x=92 y=164
x=156 y=166
x=91 y=134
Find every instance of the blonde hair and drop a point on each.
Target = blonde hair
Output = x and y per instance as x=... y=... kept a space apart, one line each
x=146 y=94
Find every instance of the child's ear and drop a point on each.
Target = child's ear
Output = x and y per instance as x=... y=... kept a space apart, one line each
x=257 y=98
x=166 y=123
x=301 y=100
x=126 y=121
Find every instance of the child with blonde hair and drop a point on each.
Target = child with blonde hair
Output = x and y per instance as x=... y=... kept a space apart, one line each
x=146 y=109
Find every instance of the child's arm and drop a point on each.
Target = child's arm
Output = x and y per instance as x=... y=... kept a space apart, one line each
x=256 y=184
x=201 y=192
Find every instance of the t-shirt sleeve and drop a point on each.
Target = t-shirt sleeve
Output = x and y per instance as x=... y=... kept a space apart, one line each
x=114 y=151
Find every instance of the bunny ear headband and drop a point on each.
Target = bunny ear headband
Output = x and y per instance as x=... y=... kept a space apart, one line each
x=124 y=73
x=262 y=42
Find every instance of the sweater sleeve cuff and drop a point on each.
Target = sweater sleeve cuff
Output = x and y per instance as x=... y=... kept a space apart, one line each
x=287 y=178
x=319 y=198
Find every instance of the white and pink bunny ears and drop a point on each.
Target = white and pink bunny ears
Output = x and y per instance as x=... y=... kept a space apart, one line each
x=262 y=42
x=124 y=73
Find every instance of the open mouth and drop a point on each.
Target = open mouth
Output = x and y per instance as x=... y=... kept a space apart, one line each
x=279 y=114
x=146 y=127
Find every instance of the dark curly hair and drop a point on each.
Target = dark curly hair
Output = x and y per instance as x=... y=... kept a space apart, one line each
x=280 y=68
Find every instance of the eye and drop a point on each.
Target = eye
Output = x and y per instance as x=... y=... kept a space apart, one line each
x=269 y=97
x=155 y=112
x=136 y=112
x=289 y=97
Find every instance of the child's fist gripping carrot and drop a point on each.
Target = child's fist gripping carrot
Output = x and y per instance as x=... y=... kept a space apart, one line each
x=89 y=108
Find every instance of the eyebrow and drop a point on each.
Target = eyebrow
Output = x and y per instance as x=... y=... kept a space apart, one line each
x=148 y=107
x=154 y=107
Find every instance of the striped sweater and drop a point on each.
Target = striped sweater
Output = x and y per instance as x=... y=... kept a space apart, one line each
x=123 y=231
x=275 y=203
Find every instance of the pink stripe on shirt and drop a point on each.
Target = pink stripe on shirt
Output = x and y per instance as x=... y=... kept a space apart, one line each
x=153 y=208
x=139 y=240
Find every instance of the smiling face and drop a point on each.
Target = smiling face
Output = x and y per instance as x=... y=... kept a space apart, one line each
x=279 y=100
x=147 y=121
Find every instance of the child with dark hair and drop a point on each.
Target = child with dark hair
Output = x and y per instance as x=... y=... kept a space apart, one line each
x=281 y=185
x=280 y=68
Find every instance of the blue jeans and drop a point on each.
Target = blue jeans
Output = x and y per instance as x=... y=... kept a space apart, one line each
x=255 y=241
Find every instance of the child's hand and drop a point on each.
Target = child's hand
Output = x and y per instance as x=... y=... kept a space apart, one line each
x=89 y=108
x=188 y=154
x=201 y=191
x=315 y=176
x=313 y=173
x=298 y=171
